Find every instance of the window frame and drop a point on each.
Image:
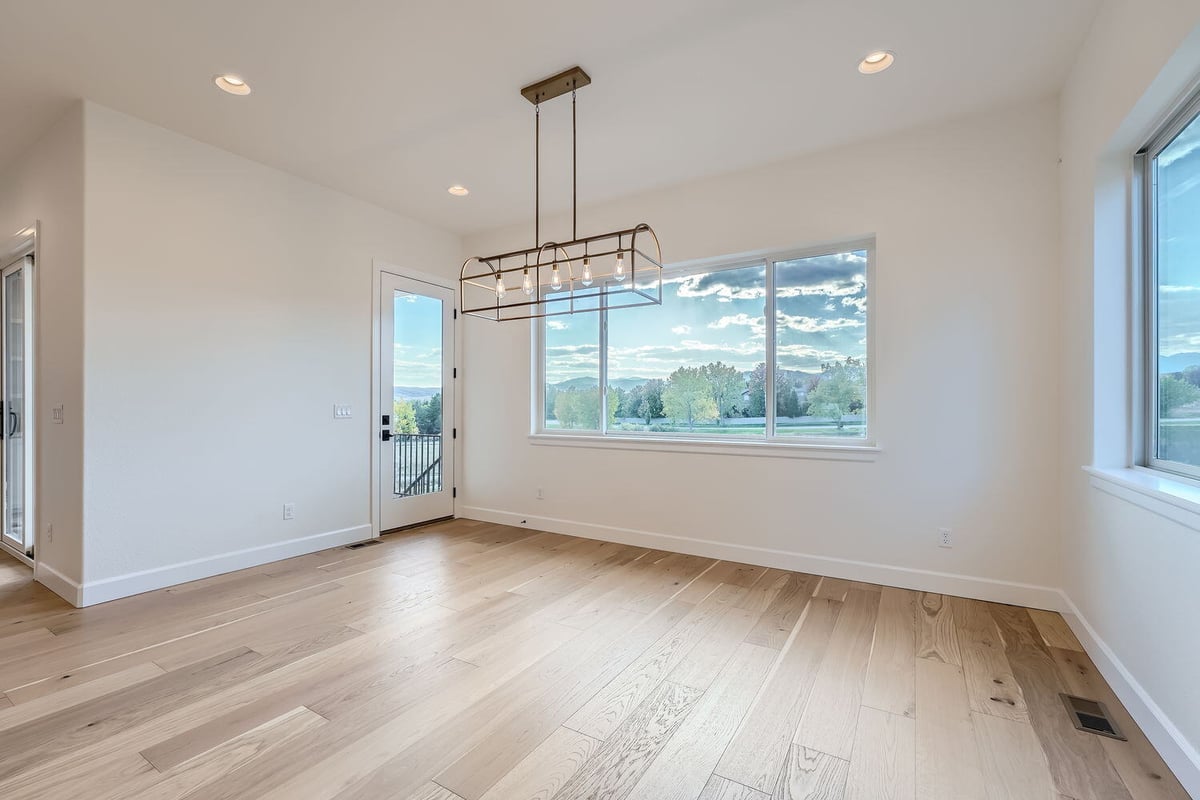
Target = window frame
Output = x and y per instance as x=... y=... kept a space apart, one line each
x=1146 y=306
x=727 y=442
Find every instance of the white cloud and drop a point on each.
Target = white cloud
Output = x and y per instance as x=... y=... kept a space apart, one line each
x=556 y=325
x=681 y=330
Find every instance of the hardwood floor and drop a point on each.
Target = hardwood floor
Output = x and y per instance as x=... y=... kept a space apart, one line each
x=469 y=661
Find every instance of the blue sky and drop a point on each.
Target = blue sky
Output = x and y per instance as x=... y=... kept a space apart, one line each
x=821 y=310
x=417 y=340
x=1179 y=244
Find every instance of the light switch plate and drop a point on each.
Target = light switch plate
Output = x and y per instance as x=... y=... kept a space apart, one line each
x=56 y=414
x=342 y=412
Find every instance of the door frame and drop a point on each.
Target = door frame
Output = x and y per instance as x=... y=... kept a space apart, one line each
x=22 y=245
x=379 y=268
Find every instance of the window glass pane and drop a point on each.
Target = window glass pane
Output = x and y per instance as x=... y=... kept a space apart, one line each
x=572 y=392
x=417 y=394
x=821 y=345
x=1178 y=248
x=686 y=368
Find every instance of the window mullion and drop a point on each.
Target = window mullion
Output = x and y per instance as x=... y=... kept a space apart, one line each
x=603 y=378
x=769 y=327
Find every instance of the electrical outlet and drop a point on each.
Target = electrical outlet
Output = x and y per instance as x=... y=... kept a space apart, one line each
x=342 y=412
x=49 y=532
x=289 y=510
x=56 y=415
x=945 y=539
x=540 y=494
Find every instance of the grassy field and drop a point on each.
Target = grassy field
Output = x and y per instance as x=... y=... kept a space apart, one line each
x=829 y=430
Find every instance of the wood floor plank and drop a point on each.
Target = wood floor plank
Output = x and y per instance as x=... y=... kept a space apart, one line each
x=605 y=712
x=46 y=705
x=432 y=791
x=1054 y=630
x=1080 y=767
x=891 y=673
x=776 y=623
x=1140 y=766
x=1014 y=766
x=719 y=788
x=832 y=588
x=831 y=715
x=759 y=749
x=991 y=687
x=188 y=778
x=947 y=754
x=884 y=761
x=689 y=757
x=543 y=772
x=619 y=762
x=937 y=632
x=812 y=775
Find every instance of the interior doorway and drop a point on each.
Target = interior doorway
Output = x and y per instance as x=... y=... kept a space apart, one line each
x=416 y=402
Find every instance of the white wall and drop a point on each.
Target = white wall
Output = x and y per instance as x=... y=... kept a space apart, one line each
x=228 y=307
x=964 y=303
x=1131 y=574
x=46 y=184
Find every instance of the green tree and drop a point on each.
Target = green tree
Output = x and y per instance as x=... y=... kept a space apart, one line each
x=651 y=406
x=688 y=397
x=726 y=385
x=551 y=396
x=404 y=418
x=840 y=390
x=757 y=382
x=1174 y=392
x=580 y=408
x=429 y=415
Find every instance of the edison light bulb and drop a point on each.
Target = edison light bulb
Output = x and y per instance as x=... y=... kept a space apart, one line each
x=500 y=290
x=586 y=278
x=527 y=283
x=555 y=278
x=619 y=272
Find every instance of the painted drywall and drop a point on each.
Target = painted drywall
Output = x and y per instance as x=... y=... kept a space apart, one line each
x=46 y=184
x=966 y=219
x=228 y=308
x=1130 y=573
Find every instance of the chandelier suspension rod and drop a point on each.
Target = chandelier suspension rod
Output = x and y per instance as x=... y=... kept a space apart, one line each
x=574 y=170
x=537 y=173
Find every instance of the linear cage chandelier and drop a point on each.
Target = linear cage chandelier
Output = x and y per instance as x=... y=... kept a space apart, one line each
x=622 y=269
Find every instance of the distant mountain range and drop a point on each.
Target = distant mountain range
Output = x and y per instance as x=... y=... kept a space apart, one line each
x=414 y=392
x=1178 y=362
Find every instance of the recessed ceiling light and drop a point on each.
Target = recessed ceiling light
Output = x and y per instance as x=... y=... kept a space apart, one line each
x=876 y=62
x=459 y=191
x=233 y=84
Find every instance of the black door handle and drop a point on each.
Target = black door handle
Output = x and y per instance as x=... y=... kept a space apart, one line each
x=386 y=435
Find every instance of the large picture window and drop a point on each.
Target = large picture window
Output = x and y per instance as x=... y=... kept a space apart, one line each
x=1171 y=176
x=708 y=365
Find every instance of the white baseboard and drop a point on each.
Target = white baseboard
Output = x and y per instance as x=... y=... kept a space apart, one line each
x=102 y=591
x=1022 y=594
x=1180 y=754
x=56 y=582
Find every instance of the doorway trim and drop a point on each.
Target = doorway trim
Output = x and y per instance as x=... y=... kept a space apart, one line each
x=379 y=268
x=20 y=245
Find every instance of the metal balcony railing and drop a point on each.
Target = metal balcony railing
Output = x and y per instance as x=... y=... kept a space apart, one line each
x=418 y=463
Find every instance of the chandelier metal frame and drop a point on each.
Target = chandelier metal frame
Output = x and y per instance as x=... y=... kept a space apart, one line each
x=620 y=269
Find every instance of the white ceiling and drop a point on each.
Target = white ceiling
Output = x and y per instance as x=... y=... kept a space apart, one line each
x=393 y=100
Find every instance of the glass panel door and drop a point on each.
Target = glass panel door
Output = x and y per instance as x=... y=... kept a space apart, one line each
x=416 y=376
x=15 y=377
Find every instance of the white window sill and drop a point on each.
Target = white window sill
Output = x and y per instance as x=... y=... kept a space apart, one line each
x=1165 y=495
x=863 y=451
